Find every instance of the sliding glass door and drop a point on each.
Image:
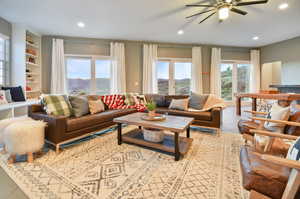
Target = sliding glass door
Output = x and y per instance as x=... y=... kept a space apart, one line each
x=235 y=78
x=173 y=77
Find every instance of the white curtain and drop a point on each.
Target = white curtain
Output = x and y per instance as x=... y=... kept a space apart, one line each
x=196 y=82
x=58 y=70
x=149 y=68
x=118 y=80
x=215 y=75
x=255 y=71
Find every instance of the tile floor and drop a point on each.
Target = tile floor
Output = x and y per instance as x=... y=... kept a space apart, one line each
x=9 y=190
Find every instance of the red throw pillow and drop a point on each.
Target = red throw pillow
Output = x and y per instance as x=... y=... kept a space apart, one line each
x=113 y=101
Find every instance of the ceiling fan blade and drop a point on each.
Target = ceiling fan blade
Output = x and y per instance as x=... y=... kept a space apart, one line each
x=207 y=17
x=238 y=11
x=200 y=13
x=251 y=3
x=195 y=5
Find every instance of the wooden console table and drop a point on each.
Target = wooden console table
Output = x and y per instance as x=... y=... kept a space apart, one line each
x=255 y=96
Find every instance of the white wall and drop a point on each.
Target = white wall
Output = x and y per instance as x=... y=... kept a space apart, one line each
x=18 y=64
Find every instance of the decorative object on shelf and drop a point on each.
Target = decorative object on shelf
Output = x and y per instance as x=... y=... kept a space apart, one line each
x=151 y=106
x=31 y=60
x=153 y=135
x=28 y=88
x=29 y=39
x=223 y=8
x=156 y=117
x=31 y=51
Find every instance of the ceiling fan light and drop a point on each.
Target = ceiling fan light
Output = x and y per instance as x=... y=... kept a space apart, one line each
x=283 y=6
x=223 y=13
x=228 y=1
x=180 y=32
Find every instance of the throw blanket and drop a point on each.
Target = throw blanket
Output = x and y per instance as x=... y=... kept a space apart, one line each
x=212 y=102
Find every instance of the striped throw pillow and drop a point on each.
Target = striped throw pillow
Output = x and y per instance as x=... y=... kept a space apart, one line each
x=294 y=151
x=57 y=105
x=113 y=101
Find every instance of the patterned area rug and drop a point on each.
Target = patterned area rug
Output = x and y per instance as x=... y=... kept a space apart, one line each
x=99 y=168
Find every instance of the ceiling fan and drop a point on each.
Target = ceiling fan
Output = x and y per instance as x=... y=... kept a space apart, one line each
x=222 y=7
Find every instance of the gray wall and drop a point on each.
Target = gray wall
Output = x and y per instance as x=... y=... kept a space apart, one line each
x=5 y=27
x=134 y=57
x=288 y=52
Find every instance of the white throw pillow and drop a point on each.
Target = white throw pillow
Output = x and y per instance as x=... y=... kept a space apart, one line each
x=278 y=113
x=179 y=104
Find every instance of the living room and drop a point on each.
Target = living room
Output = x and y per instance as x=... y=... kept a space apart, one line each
x=150 y=99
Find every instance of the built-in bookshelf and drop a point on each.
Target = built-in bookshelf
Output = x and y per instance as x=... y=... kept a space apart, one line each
x=33 y=65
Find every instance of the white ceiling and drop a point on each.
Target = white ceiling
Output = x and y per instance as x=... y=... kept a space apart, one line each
x=155 y=20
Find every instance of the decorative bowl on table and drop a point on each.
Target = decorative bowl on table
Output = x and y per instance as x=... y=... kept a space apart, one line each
x=153 y=135
x=155 y=117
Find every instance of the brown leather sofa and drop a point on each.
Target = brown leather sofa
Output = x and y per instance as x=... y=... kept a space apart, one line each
x=210 y=119
x=61 y=130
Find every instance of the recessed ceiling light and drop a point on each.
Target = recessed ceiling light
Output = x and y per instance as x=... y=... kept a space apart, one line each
x=283 y=6
x=255 y=38
x=180 y=32
x=81 y=24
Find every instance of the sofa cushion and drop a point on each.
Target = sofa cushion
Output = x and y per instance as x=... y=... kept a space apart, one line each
x=197 y=115
x=262 y=176
x=79 y=105
x=17 y=94
x=90 y=120
x=113 y=101
x=57 y=105
x=168 y=98
x=96 y=106
x=197 y=101
x=179 y=104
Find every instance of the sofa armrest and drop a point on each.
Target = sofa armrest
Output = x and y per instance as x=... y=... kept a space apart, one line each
x=56 y=125
x=216 y=114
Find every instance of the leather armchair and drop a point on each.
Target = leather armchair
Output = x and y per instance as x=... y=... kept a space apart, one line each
x=270 y=176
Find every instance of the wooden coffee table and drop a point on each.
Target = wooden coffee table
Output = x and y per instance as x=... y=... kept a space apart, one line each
x=175 y=144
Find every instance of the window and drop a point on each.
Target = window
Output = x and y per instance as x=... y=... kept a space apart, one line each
x=4 y=60
x=235 y=78
x=88 y=75
x=173 y=76
x=103 y=76
x=162 y=70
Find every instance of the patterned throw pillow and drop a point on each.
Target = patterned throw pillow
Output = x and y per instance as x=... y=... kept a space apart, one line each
x=2 y=97
x=293 y=153
x=140 y=99
x=278 y=113
x=57 y=105
x=96 y=106
x=129 y=99
x=113 y=101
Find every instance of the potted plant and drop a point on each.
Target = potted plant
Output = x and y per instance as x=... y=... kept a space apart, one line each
x=151 y=106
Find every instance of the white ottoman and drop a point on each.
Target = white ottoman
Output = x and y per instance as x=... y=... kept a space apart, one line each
x=6 y=122
x=24 y=137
